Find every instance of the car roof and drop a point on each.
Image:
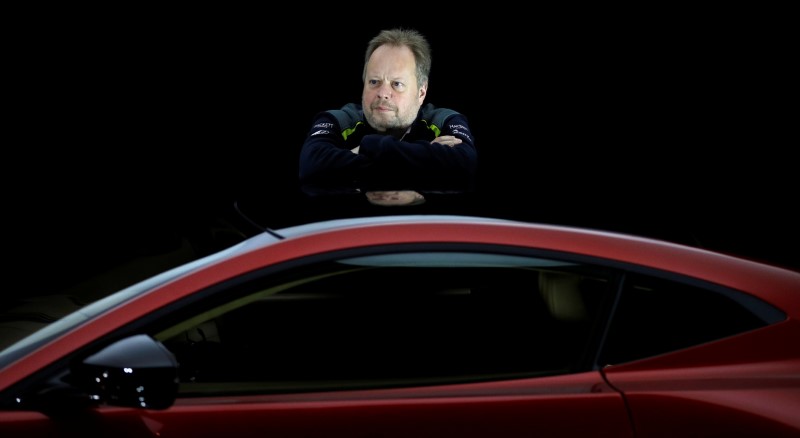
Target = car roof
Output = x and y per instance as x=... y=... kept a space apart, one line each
x=360 y=222
x=773 y=282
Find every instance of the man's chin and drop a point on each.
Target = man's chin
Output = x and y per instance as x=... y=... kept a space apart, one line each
x=381 y=124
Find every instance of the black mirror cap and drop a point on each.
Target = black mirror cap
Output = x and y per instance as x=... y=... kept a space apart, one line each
x=137 y=371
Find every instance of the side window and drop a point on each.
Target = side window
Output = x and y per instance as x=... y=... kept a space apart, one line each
x=656 y=316
x=395 y=325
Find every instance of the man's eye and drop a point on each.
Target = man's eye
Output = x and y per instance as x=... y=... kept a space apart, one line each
x=398 y=85
x=373 y=82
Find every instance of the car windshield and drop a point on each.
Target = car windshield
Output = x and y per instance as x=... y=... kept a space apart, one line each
x=30 y=323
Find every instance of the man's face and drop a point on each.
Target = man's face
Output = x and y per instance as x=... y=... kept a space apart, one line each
x=391 y=96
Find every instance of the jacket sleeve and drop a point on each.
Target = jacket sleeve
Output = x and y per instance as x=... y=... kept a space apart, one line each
x=327 y=165
x=421 y=165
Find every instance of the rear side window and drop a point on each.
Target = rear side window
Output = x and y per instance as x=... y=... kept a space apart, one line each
x=656 y=316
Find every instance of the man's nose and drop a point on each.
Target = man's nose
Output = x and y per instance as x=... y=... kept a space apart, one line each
x=385 y=91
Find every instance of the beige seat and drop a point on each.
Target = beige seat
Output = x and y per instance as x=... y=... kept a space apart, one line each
x=562 y=294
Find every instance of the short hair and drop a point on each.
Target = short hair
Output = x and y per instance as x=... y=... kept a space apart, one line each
x=404 y=37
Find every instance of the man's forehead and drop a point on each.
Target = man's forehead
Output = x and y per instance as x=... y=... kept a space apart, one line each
x=392 y=60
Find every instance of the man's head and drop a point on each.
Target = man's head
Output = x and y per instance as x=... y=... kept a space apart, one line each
x=396 y=69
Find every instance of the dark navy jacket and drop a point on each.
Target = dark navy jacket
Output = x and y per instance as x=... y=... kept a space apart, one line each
x=327 y=165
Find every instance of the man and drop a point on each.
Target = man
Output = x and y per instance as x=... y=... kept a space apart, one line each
x=390 y=149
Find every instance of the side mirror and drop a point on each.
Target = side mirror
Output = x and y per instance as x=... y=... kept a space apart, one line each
x=133 y=372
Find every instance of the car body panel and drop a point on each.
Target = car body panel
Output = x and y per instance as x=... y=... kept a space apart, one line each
x=701 y=384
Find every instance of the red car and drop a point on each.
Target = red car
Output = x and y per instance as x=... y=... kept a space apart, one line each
x=417 y=326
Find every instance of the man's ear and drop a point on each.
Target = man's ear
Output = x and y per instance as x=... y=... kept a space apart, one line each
x=423 y=91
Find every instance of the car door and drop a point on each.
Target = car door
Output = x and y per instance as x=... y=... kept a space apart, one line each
x=581 y=405
x=420 y=343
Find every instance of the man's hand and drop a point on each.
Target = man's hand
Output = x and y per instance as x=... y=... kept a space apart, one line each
x=447 y=140
x=395 y=198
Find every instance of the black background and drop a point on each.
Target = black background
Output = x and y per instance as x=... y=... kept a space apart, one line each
x=128 y=126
